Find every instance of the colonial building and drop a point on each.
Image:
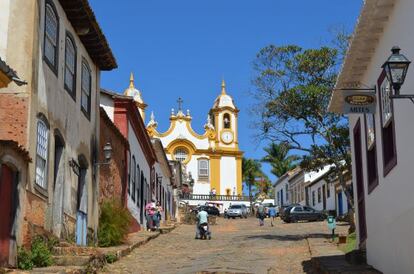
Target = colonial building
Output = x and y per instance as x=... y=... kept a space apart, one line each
x=320 y=192
x=281 y=190
x=297 y=186
x=59 y=49
x=381 y=143
x=126 y=112
x=163 y=188
x=213 y=158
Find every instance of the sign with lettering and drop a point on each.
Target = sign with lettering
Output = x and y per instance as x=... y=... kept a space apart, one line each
x=359 y=102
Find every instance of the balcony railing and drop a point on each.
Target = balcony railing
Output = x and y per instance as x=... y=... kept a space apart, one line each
x=207 y=197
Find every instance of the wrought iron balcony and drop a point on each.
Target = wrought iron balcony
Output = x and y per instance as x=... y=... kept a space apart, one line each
x=207 y=197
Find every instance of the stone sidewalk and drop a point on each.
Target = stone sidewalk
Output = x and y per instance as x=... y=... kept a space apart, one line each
x=328 y=259
x=76 y=260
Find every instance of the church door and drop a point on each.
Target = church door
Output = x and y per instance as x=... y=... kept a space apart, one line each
x=7 y=184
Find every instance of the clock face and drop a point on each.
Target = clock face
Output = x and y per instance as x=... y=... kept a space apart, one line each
x=227 y=137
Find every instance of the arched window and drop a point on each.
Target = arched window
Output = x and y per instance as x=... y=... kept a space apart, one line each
x=70 y=66
x=133 y=179
x=51 y=36
x=42 y=154
x=203 y=170
x=226 y=120
x=181 y=154
x=86 y=89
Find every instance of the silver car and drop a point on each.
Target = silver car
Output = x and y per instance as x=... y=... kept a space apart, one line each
x=237 y=211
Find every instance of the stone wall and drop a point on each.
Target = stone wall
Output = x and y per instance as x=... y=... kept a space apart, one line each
x=112 y=177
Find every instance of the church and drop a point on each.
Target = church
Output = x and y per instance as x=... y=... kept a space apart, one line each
x=213 y=158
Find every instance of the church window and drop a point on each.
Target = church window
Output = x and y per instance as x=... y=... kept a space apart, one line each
x=226 y=120
x=86 y=89
x=51 y=36
x=203 y=168
x=41 y=153
x=181 y=154
x=70 y=66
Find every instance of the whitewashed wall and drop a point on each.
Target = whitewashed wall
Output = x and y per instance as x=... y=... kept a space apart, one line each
x=227 y=175
x=330 y=202
x=390 y=206
x=137 y=151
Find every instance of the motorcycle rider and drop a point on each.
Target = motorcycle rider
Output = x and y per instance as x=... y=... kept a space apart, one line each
x=202 y=218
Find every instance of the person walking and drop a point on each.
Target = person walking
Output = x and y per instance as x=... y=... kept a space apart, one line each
x=157 y=215
x=272 y=214
x=261 y=214
x=149 y=214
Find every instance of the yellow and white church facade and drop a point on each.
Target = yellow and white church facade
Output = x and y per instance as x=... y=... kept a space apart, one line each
x=213 y=158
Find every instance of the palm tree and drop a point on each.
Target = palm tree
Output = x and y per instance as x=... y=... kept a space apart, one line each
x=251 y=168
x=277 y=156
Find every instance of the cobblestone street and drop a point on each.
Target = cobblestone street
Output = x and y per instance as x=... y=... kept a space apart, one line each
x=237 y=246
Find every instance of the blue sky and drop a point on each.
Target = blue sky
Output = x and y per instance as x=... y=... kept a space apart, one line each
x=183 y=48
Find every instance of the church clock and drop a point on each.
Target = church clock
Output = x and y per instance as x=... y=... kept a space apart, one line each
x=227 y=137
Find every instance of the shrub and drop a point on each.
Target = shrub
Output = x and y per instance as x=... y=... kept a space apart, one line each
x=41 y=255
x=114 y=223
x=24 y=259
x=110 y=258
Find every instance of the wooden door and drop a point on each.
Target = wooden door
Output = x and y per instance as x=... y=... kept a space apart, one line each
x=324 y=197
x=6 y=195
x=359 y=179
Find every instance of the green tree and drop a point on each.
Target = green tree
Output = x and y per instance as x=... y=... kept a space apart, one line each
x=278 y=158
x=293 y=87
x=251 y=169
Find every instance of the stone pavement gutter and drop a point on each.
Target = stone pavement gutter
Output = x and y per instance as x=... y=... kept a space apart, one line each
x=73 y=259
x=328 y=259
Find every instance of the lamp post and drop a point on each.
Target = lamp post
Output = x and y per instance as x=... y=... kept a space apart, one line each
x=396 y=67
x=107 y=150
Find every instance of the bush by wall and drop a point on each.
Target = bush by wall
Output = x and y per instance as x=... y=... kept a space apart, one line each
x=114 y=223
x=39 y=255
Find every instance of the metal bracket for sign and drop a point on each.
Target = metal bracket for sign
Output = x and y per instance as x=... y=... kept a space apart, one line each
x=356 y=89
x=403 y=96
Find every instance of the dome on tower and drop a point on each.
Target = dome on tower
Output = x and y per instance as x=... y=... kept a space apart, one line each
x=133 y=92
x=224 y=100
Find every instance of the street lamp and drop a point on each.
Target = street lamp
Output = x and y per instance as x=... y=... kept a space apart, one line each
x=396 y=68
x=107 y=152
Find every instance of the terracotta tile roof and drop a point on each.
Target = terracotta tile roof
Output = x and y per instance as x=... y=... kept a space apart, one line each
x=18 y=148
x=81 y=16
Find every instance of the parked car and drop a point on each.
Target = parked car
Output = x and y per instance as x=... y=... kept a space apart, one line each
x=284 y=208
x=211 y=210
x=236 y=211
x=302 y=213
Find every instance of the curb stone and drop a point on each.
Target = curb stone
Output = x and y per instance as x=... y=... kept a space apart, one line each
x=326 y=258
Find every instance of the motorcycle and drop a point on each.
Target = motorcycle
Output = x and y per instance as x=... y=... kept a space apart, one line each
x=204 y=231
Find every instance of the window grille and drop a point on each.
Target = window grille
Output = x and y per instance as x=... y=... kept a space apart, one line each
x=181 y=154
x=203 y=170
x=51 y=35
x=70 y=65
x=41 y=154
x=86 y=88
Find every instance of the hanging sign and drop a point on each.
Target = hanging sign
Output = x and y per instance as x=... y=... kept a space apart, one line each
x=359 y=102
